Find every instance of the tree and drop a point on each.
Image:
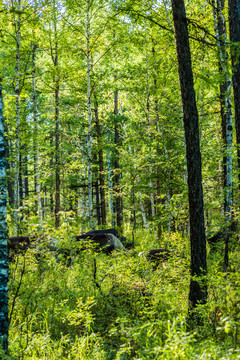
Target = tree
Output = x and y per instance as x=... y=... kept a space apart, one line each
x=17 y=19
x=198 y=287
x=117 y=171
x=225 y=101
x=3 y=238
x=89 y=108
x=100 y=163
x=234 y=29
x=226 y=114
x=37 y=184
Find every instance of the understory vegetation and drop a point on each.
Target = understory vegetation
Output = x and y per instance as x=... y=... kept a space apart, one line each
x=116 y=307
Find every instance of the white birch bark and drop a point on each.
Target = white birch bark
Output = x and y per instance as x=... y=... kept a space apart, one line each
x=35 y=124
x=56 y=80
x=110 y=188
x=3 y=239
x=35 y=139
x=145 y=223
x=153 y=212
x=89 y=135
x=167 y=180
x=143 y=213
x=18 y=114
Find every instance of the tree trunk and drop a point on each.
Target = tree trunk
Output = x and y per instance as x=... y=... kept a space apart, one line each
x=89 y=107
x=56 y=119
x=57 y=157
x=101 y=165
x=152 y=203
x=18 y=108
x=225 y=101
x=37 y=185
x=226 y=114
x=51 y=164
x=3 y=238
x=234 y=28
x=145 y=223
x=9 y=165
x=110 y=187
x=133 y=212
x=23 y=175
x=98 y=210
x=198 y=287
x=116 y=178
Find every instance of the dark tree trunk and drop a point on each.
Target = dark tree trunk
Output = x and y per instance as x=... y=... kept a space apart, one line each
x=226 y=115
x=224 y=86
x=158 y=170
x=56 y=118
x=3 y=238
x=23 y=176
x=26 y=183
x=116 y=178
x=9 y=166
x=133 y=212
x=37 y=184
x=234 y=28
x=158 y=202
x=98 y=212
x=198 y=287
x=101 y=165
x=20 y=179
x=51 y=163
x=57 y=159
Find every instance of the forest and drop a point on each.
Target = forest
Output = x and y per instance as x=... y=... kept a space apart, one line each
x=119 y=179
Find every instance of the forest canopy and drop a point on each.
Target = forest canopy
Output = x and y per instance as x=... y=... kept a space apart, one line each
x=91 y=94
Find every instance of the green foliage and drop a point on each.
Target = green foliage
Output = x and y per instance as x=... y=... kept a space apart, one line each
x=125 y=311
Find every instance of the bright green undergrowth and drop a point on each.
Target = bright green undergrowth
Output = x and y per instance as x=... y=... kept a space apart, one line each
x=119 y=308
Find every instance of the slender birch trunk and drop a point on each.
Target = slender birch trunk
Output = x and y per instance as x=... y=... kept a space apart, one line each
x=3 y=238
x=89 y=107
x=150 y=148
x=133 y=213
x=116 y=178
x=56 y=120
x=145 y=223
x=37 y=184
x=35 y=137
x=10 y=181
x=18 y=115
x=110 y=188
x=57 y=153
x=143 y=212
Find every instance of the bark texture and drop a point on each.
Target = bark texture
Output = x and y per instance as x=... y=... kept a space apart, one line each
x=3 y=238
x=234 y=28
x=100 y=165
x=117 y=174
x=226 y=108
x=198 y=288
x=89 y=107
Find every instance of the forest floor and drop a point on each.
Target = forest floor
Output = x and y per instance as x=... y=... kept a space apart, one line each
x=116 y=307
